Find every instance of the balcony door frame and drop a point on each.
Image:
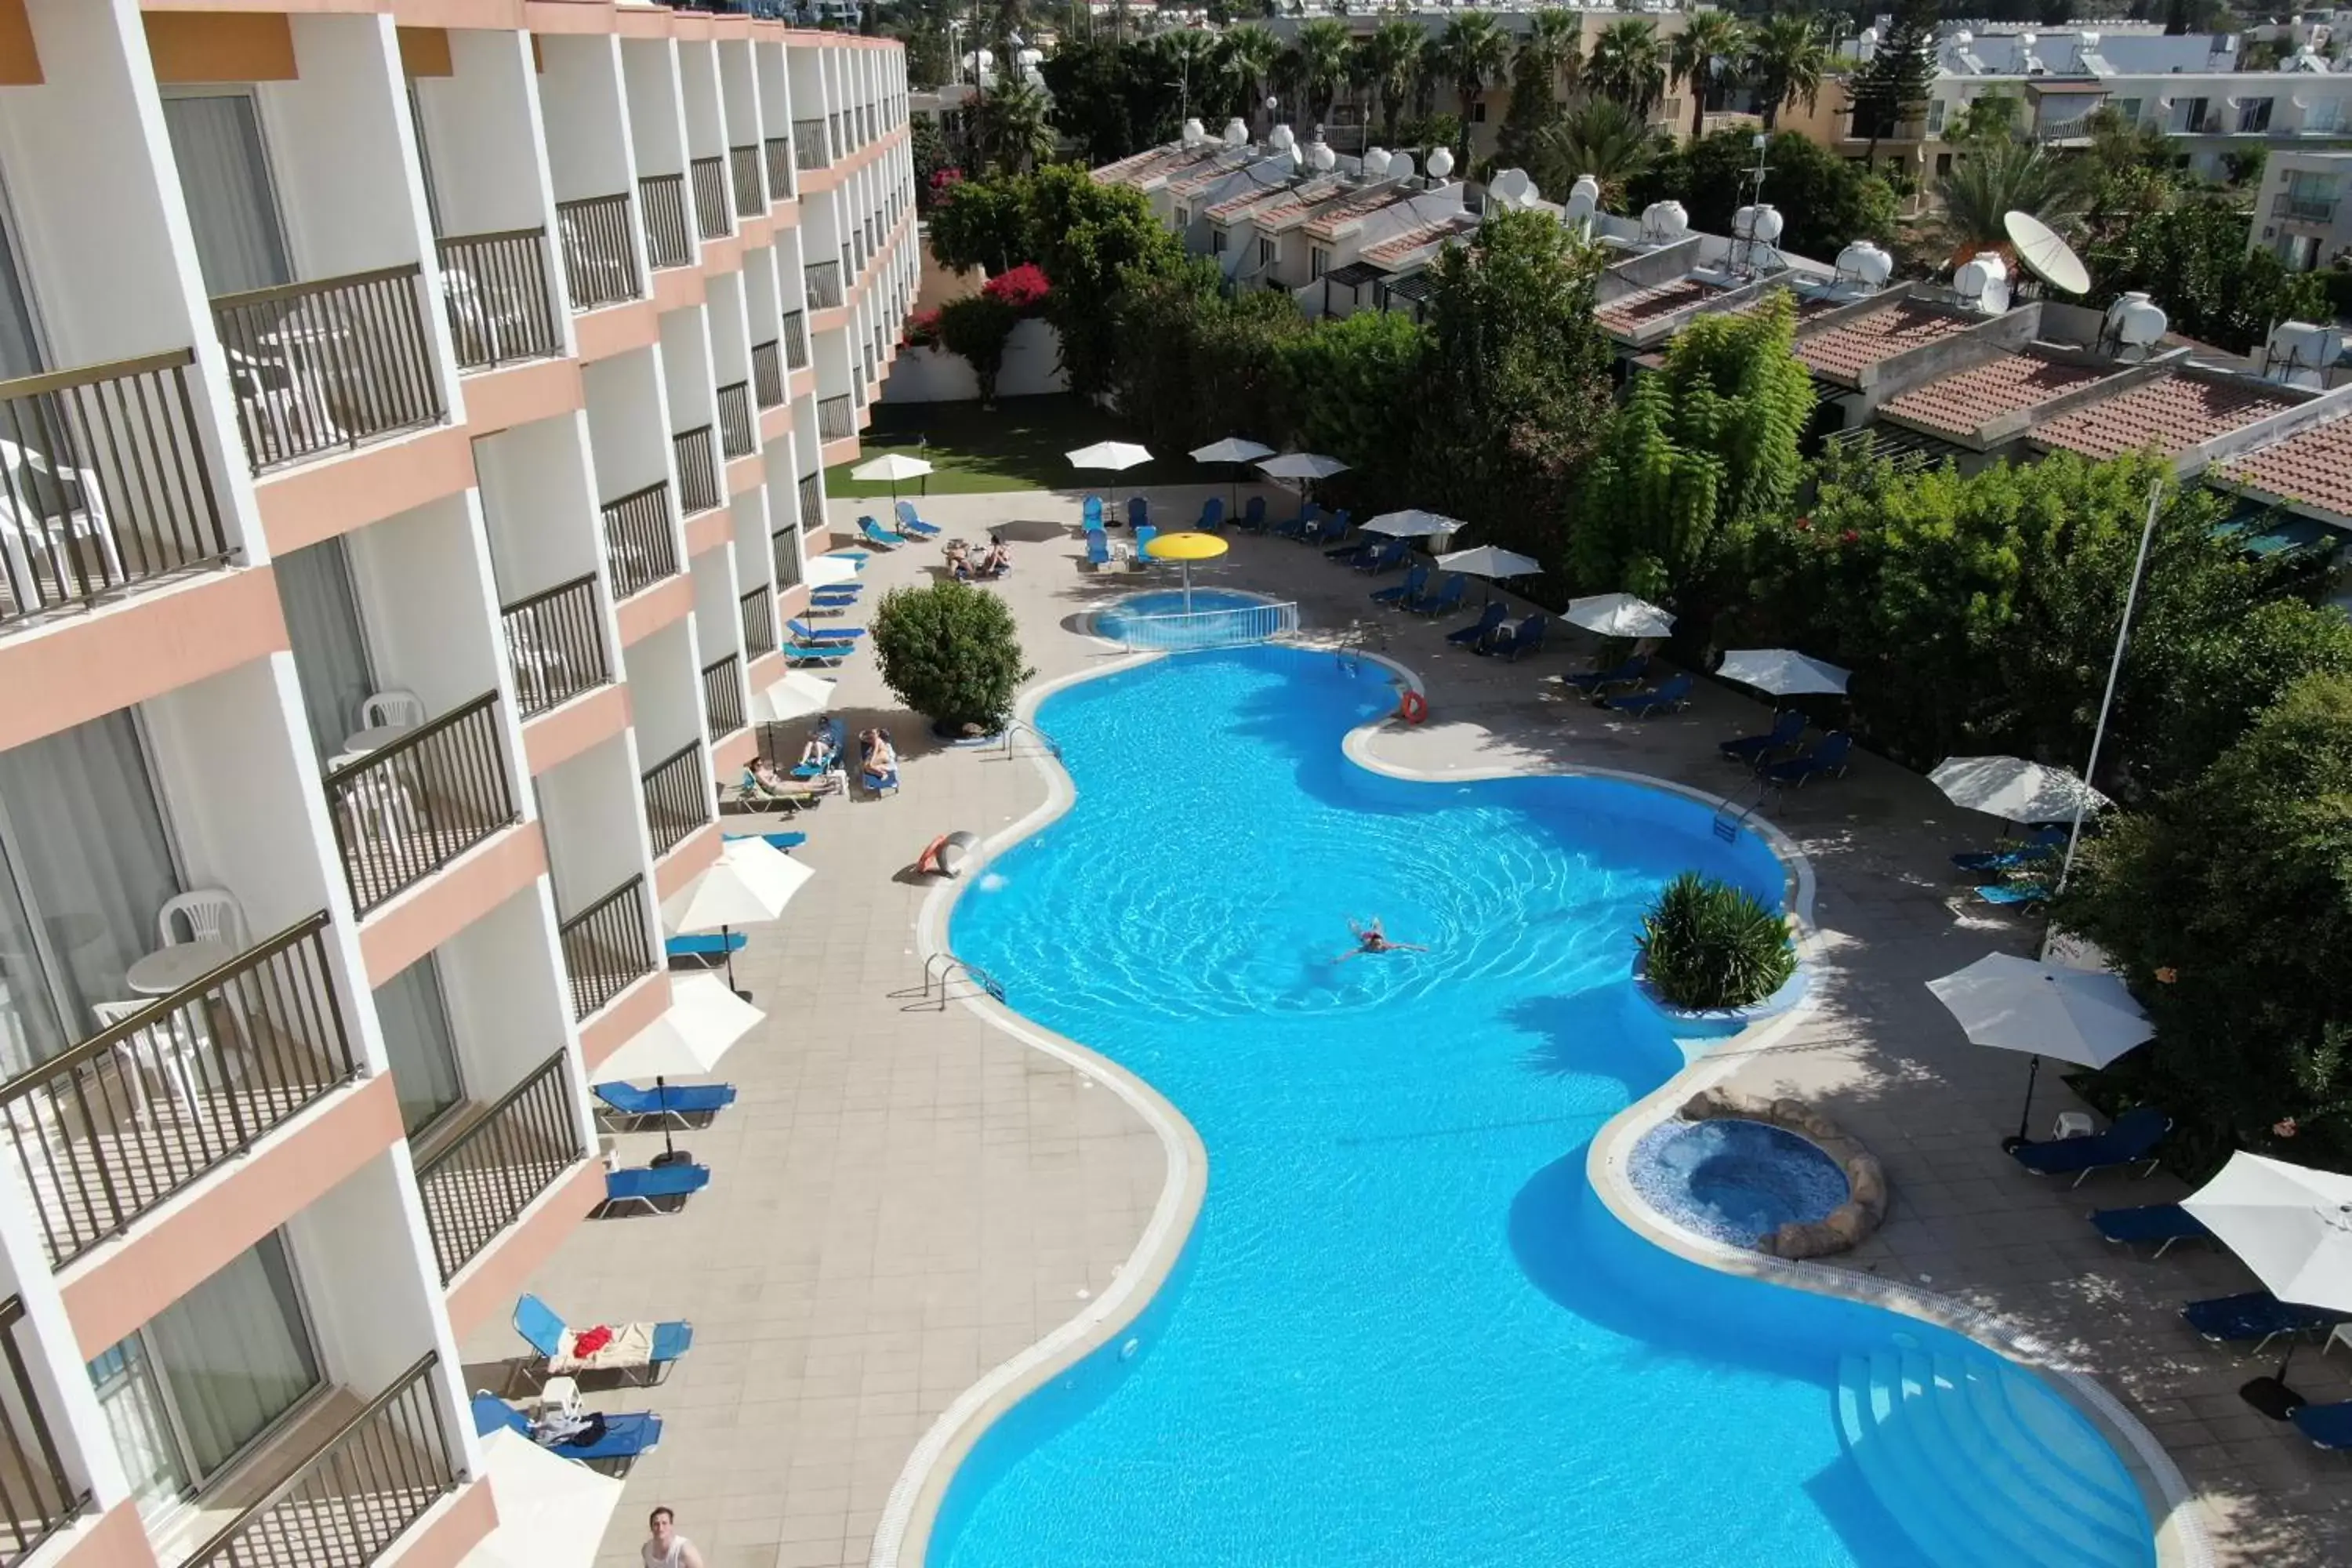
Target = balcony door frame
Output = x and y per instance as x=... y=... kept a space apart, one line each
x=266 y=162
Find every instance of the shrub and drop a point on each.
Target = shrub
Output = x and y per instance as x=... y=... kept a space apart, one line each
x=922 y=330
x=977 y=327
x=950 y=653
x=1024 y=288
x=1706 y=944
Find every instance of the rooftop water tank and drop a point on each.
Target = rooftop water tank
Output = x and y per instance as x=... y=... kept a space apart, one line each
x=1983 y=284
x=1440 y=163
x=1236 y=133
x=1194 y=133
x=1866 y=264
x=2299 y=353
x=1281 y=138
x=2136 y=321
x=1376 y=163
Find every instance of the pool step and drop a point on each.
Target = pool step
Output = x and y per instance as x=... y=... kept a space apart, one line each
x=1985 y=1468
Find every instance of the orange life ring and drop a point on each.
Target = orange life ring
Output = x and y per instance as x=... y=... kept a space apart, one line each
x=1413 y=707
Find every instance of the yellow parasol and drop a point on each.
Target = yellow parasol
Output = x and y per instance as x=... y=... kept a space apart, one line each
x=1184 y=549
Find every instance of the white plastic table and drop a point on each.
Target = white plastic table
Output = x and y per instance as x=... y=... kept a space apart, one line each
x=167 y=969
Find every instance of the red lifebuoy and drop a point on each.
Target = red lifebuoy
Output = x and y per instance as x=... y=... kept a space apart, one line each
x=1413 y=707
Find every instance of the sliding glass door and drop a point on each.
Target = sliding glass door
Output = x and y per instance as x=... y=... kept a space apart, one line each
x=225 y=180
x=329 y=643
x=415 y=1017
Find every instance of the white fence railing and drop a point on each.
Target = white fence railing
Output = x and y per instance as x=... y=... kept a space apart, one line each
x=1231 y=625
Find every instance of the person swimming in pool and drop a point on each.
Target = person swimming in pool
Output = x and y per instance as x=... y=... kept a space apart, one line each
x=1370 y=938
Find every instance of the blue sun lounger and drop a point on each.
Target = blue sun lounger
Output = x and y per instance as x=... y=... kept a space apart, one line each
x=1300 y=526
x=804 y=632
x=625 y=1437
x=2162 y=1223
x=1091 y=513
x=1387 y=558
x=787 y=842
x=2255 y=1315
x=648 y=1187
x=1097 y=547
x=858 y=558
x=874 y=532
x=1477 y=631
x=817 y=653
x=1138 y=512
x=1509 y=642
x=837 y=736
x=1665 y=697
x=702 y=950
x=2013 y=895
x=1629 y=673
x=1334 y=528
x=1398 y=592
x=1212 y=515
x=2013 y=857
x=1445 y=601
x=1826 y=759
x=542 y=1327
x=910 y=523
x=669 y=1102
x=2129 y=1140
x=1254 y=515
x=1788 y=725
x=2327 y=1426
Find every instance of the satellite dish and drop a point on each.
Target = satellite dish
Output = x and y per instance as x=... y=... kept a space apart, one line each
x=1510 y=185
x=2046 y=255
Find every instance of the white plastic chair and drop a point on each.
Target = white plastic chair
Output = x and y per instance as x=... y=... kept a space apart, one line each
x=211 y=914
x=397 y=708
x=169 y=1051
x=46 y=517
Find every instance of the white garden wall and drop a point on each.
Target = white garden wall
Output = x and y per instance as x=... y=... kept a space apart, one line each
x=1033 y=364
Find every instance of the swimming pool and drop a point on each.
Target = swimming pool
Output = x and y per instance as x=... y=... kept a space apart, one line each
x=1404 y=1330
x=1164 y=620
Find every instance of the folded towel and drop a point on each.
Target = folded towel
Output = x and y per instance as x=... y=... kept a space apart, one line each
x=590 y=1341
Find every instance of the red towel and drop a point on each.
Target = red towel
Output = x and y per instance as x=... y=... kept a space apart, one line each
x=590 y=1341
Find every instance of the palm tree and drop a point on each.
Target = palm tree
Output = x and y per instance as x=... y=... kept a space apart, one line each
x=1471 y=53
x=1321 y=68
x=1188 y=57
x=1628 y=64
x=1785 y=57
x=1708 y=55
x=2007 y=176
x=1556 y=35
x=1013 y=127
x=1249 y=59
x=1596 y=136
x=1391 y=55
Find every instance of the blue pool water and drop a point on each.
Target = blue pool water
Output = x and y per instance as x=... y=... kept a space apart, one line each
x=1404 y=1331
x=1736 y=1181
x=1220 y=616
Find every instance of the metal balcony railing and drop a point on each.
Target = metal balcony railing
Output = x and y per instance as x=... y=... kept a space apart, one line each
x=811 y=149
x=722 y=696
x=849 y=269
x=751 y=198
x=481 y=1183
x=351 y=1501
x=36 y=1496
x=606 y=949
x=711 y=216
x=824 y=280
x=108 y=486
x=835 y=419
x=318 y=366
x=780 y=167
x=556 y=644
x=833 y=126
x=676 y=802
x=2304 y=209
x=599 y=255
x=639 y=545
x=403 y=813
x=784 y=549
x=697 y=451
x=108 y=1130
x=759 y=618
x=811 y=497
x=737 y=438
x=669 y=240
x=796 y=339
x=495 y=287
x=767 y=374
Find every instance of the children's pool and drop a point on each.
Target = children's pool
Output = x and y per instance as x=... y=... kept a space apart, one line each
x=1404 y=1331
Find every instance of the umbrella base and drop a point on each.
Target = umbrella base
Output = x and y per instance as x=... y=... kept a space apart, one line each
x=672 y=1157
x=2272 y=1397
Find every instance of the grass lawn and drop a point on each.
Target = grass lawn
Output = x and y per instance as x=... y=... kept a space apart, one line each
x=1016 y=446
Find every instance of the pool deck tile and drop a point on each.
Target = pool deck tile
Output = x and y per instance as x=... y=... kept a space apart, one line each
x=902 y=1200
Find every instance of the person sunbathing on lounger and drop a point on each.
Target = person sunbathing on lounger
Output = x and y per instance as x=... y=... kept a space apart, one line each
x=1370 y=938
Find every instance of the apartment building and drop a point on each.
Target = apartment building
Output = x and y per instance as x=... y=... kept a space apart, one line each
x=413 y=431
x=2300 y=213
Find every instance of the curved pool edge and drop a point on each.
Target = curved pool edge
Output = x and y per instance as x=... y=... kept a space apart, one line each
x=902 y=1536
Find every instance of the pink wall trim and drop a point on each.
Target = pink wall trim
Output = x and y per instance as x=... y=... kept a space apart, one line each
x=449 y=1530
x=817 y=535
x=563 y=731
x=722 y=255
x=168 y=1253
x=695 y=855
x=566 y=16
x=491 y=15
x=517 y=394
x=816 y=182
x=793 y=600
x=842 y=451
x=618 y=1022
x=754 y=232
x=450 y=899
x=710 y=531
x=675 y=288
x=800 y=384
x=78 y=667
x=776 y=423
x=115 y=1539
x=786 y=214
x=640 y=615
x=745 y=474
x=486 y=1288
x=735 y=749
x=767 y=669
x=832 y=320
x=630 y=23
x=618 y=329
x=336 y=495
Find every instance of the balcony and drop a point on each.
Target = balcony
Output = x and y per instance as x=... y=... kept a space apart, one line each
x=668 y=241
x=606 y=949
x=110 y=490
x=710 y=197
x=499 y=309
x=599 y=255
x=402 y=812
x=811 y=501
x=2304 y=209
x=835 y=420
x=737 y=438
x=36 y=1496
x=108 y=1130
x=824 y=280
x=698 y=469
x=833 y=126
x=751 y=198
x=780 y=167
x=795 y=340
x=319 y=366
x=784 y=550
x=638 y=543
x=353 y=1499
x=722 y=696
x=481 y=1183
x=849 y=267
x=811 y=147
x=767 y=375
x=676 y=803
x=556 y=643
x=759 y=618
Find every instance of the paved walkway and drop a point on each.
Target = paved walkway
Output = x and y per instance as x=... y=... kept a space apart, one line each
x=902 y=1199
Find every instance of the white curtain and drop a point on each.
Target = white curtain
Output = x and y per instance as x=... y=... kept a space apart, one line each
x=225 y=179
x=322 y=626
x=416 y=1018
x=234 y=1354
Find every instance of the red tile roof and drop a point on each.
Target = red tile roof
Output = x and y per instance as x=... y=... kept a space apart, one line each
x=1326 y=223
x=1397 y=247
x=1149 y=166
x=1965 y=402
x=1845 y=351
x=2169 y=413
x=1234 y=205
x=2314 y=467
x=1192 y=185
x=1631 y=312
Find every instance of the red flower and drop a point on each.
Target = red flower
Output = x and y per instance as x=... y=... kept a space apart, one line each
x=1849 y=536
x=922 y=330
x=2285 y=1128
x=1804 y=526
x=945 y=178
x=1024 y=288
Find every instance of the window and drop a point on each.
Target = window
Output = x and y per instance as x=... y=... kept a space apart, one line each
x=416 y=1040
x=329 y=644
x=1183 y=216
x=1478 y=112
x=2255 y=117
x=1266 y=252
x=225 y=178
x=1217 y=241
x=2129 y=108
x=1935 y=117
x=1943 y=165
x=1317 y=260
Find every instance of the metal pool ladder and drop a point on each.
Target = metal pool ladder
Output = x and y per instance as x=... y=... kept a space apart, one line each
x=942 y=970
x=1051 y=744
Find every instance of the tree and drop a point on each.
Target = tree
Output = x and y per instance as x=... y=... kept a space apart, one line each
x=1391 y=55
x=1600 y=137
x=983 y=223
x=1535 y=71
x=1786 y=56
x=2001 y=177
x=1351 y=387
x=1320 y=53
x=1988 y=119
x=1707 y=55
x=1247 y=60
x=1013 y=127
x=2192 y=260
x=1895 y=79
x=1707 y=945
x=1089 y=238
x=1628 y=64
x=1471 y=53
x=1825 y=201
x=976 y=327
x=928 y=149
x=1195 y=363
x=952 y=653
